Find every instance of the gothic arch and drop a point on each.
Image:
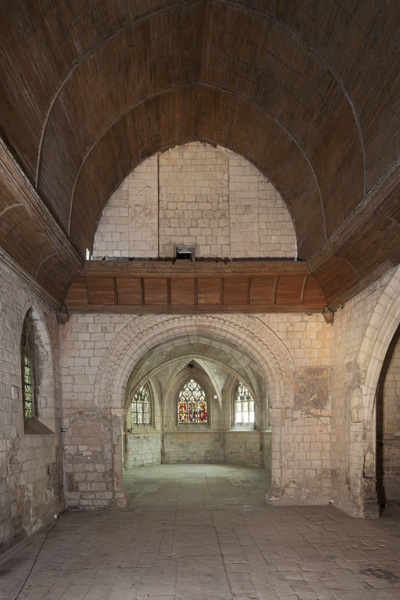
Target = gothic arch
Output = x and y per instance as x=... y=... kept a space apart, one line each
x=244 y=335
x=382 y=326
x=240 y=333
x=379 y=333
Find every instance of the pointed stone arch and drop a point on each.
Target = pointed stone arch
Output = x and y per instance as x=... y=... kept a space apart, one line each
x=378 y=335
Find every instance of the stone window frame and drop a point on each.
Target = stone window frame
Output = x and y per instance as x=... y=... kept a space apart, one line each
x=243 y=424
x=35 y=346
x=141 y=427
x=145 y=389
x=29 y=355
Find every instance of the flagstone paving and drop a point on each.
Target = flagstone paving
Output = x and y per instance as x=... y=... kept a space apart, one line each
x=204 y=532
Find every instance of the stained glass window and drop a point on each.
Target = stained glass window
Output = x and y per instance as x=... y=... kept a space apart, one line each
x=192 y=403
x=28 y=369
x=140 y=408
x=244 y=405
x=28 y=391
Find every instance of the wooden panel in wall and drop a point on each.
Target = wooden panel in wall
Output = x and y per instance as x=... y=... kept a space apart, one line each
x=183 y=291
x=312 y=293
x=78 y=293
x=101 y=290
x=169 y=287
x=130 y=291
x=289 y=290
x=156 y=291
x=209 y=290
x=262 y=290
x=236 y=290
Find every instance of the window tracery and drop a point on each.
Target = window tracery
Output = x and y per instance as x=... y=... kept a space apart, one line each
x=243 y=406
x=192 y=403
x=28 y=370
x=140 y=408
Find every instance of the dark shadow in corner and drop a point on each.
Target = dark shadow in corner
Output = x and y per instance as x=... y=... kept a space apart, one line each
x=380 y=487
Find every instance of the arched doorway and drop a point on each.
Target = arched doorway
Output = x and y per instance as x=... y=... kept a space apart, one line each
x=388 y=426
x=374 y=358
x=189 y=392
x=144 y=346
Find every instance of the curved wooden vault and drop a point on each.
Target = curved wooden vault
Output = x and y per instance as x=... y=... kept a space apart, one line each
x=307 y=91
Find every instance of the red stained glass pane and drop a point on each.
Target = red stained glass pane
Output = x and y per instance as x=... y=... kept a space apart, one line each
x=202 y=412
x=182 y=412
x=192 y=404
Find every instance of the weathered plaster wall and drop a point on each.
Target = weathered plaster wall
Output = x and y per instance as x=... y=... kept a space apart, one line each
x=199 y=195
x=31 y=464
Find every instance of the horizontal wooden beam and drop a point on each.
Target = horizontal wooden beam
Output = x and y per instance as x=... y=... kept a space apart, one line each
x=183 y=268
x=195 y=287
x=187 y=310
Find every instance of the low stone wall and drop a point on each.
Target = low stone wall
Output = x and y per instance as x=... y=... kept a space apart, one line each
x=236 y=447
x=245 y=448
x=194 y=447
x=142 y=449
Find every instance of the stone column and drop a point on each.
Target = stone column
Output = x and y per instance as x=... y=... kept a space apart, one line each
x=119 y=499
x=276 y=418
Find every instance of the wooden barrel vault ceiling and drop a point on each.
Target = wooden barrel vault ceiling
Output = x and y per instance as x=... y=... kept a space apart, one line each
x=306 y=90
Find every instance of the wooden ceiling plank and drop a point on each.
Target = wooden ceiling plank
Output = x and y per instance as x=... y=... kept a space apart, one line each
x=276 y=283
x=303 y=287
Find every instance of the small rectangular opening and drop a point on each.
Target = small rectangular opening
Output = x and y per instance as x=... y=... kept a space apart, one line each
x=185 y=253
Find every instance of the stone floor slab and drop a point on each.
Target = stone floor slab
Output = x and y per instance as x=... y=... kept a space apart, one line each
x=204 y=532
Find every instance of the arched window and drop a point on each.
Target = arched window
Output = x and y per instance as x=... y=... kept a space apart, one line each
x=140 y=408
x=244 y=405
x=192 y=403
x=29 y=393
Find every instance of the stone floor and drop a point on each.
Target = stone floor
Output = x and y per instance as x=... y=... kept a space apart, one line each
x=204 y=533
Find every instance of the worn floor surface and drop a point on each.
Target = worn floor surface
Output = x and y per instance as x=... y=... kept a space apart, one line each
x=204 y=533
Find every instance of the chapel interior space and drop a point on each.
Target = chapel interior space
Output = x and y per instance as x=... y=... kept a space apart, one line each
x=201 y=190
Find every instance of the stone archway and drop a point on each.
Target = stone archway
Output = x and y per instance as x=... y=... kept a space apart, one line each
x=378 y=335
x=243 y=335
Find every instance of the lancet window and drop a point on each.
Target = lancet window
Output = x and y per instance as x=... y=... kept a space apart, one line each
x=140 y=408
x=243 y=405
x=28 y=370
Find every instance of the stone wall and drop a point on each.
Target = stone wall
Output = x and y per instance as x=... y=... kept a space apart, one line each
x=194 y=447
x=100 y=352
x=142 y=449
x=31 y=464
x=321 y=389
x=198 y=195
x=388 y=424
x=360 y=338
x=248 y=448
